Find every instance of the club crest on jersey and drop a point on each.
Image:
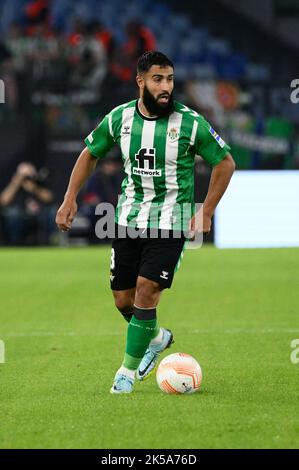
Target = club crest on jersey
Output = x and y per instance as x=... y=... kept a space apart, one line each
x=217 y=137
x=173 y=134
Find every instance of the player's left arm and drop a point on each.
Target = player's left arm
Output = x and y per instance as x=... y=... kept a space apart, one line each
x=219 y=181
x=220 y=178
x=212 y=148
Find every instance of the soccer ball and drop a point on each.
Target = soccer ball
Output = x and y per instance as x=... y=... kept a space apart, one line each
x=179 y=373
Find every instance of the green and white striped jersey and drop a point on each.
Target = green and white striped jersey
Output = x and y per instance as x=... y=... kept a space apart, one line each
x=158 y=157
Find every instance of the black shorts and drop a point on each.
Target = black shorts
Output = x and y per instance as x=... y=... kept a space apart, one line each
x=152 y=258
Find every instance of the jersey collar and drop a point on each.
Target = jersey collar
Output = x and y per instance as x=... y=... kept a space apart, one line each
x=147 y=118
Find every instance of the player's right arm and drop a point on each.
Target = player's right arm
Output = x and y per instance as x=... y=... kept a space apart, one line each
x=83 y=168
x=98 y=143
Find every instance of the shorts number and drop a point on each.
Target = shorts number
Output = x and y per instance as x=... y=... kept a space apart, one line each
x=112 y=261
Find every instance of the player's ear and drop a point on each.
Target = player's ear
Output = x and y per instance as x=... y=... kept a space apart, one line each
x=140 y=81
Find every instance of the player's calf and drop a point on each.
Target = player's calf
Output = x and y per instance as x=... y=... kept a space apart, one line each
x=124 y=301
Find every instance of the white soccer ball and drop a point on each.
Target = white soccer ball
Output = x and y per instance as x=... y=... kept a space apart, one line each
x=179 y=373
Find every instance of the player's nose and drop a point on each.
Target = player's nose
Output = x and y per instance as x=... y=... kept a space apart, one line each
x=166 y=87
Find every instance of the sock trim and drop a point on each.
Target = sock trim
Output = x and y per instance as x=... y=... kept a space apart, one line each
x=131 y=362
x=145 y=313
x=143 y=308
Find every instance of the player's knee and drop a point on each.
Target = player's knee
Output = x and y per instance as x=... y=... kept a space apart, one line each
x=147 y=290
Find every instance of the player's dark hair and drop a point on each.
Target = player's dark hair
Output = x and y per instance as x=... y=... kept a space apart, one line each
x=152 y=58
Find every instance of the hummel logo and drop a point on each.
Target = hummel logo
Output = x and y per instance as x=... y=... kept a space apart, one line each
x=193 y=113
x=126 y=130
x=164 y=275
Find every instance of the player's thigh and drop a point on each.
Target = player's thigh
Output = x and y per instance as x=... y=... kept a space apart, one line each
x=159 y=259
x=124 y=264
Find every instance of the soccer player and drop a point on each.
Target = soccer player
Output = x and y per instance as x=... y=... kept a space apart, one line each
x=159 y=138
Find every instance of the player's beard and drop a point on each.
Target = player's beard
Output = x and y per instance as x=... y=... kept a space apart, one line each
x=154 y=107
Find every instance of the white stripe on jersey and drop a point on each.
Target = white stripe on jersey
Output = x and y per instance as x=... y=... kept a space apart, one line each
x=125 y=140
x=110 y=125
x=171 y=155
x=193 y=135
x=147 y=141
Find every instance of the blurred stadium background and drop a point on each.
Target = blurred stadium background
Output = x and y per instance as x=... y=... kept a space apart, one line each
x=66 y=63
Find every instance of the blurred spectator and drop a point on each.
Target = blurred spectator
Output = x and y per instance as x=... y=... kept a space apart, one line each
x=215 y=99
x=89 y=60
x=7 y=74
x=139 y=40
x=25 y=204
x=75 y=39
x=103 y=186
x=16 y=42
x=42 y=50
x=104 y=36
x=36 y=13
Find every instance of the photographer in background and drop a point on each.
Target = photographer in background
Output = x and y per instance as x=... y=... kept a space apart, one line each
x=25 y=207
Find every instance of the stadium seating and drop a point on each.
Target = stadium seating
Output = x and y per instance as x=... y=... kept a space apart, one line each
x=194 y=46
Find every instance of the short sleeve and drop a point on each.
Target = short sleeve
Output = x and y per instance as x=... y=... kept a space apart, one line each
x=208 y=144
x=100 y=140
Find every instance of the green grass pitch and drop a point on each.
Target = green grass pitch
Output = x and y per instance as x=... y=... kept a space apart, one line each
x=236 y=311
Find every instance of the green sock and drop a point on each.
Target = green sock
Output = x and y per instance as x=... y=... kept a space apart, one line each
x=140 y=333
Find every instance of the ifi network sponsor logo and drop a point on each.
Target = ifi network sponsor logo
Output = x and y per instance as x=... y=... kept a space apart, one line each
x=295 y=353
x=2 y=92
x=2 y=352
x=295 y=92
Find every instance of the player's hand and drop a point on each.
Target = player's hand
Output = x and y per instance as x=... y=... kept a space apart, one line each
x=200 y=223
x=66 y=214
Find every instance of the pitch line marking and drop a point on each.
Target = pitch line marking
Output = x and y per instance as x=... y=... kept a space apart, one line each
x=40 y=334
